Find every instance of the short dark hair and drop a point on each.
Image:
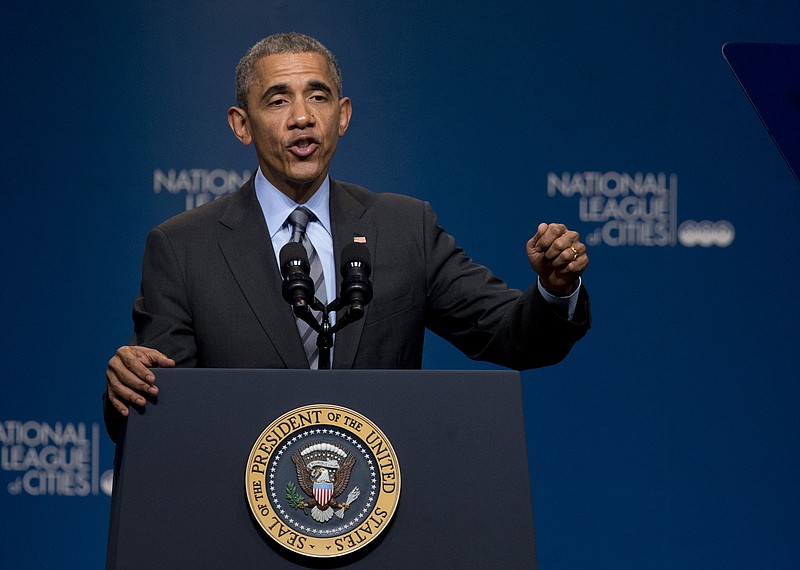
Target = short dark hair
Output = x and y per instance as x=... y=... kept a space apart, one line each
x=290 y=42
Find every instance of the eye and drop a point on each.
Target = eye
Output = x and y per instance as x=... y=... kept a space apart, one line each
x=277 y=102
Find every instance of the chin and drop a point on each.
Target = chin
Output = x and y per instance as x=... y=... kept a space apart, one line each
x=306 y=177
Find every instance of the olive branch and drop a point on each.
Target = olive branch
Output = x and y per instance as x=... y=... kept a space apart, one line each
x=293 y=495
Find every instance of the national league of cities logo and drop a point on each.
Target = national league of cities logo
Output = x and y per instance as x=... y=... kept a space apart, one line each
x=322 y=480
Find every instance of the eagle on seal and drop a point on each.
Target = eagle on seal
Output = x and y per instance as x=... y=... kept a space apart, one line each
x=323 y=472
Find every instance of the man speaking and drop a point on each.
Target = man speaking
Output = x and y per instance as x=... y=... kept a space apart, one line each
x=211 y=290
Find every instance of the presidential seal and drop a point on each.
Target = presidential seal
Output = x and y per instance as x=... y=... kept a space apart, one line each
x=322 y=480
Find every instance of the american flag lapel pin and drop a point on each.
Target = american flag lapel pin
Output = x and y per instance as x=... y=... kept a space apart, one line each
x=359 y=239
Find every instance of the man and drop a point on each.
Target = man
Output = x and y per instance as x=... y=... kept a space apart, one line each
x=211 y=285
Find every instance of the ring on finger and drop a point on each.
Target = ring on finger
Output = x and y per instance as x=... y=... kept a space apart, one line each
x=574 y=252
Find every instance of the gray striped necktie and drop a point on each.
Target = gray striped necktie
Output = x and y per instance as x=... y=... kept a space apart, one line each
x=299 y=221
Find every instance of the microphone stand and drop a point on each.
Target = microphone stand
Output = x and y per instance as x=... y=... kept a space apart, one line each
x=323 y=328
x=298 y=288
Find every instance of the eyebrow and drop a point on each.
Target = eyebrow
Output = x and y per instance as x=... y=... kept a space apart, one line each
x=314 y=85
x=274 y=89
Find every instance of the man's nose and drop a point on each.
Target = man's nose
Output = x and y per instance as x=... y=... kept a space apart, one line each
x=301 y=116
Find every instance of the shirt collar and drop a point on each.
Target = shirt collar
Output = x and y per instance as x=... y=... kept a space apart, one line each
x=277 y=206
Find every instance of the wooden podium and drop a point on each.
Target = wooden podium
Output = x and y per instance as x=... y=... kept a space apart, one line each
x=179 y=496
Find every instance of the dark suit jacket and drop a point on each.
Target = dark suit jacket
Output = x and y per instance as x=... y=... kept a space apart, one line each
x=211 y=292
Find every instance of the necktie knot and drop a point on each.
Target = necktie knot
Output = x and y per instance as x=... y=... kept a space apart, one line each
x=299 y=219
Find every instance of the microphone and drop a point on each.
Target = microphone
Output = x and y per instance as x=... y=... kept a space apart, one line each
x=356 y=290
x=298 y=288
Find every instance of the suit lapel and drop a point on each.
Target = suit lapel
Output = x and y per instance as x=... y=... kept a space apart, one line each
x=251 y=258
x=346 y=223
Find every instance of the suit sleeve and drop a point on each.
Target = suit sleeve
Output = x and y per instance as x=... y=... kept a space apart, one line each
x=484 y=318
x=162 y=314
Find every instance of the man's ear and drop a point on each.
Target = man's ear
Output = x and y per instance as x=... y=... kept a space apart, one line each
x=345 y=112
x=237 y=119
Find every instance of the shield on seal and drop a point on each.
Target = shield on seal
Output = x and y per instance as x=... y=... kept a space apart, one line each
x=323 y=493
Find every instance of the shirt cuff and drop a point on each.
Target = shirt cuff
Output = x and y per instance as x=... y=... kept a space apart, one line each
x=564 y=305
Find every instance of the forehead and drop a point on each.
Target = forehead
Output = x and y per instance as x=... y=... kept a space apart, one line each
x=293 y=69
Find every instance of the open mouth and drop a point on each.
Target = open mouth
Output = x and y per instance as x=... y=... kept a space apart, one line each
x=303 y=147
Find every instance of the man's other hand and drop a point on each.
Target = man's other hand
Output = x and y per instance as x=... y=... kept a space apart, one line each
x=128 y=380
x=557 y=255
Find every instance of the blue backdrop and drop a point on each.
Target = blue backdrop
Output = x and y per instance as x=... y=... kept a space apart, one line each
x=668 y=439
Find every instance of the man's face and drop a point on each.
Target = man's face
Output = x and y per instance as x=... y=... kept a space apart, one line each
x=295 y=119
